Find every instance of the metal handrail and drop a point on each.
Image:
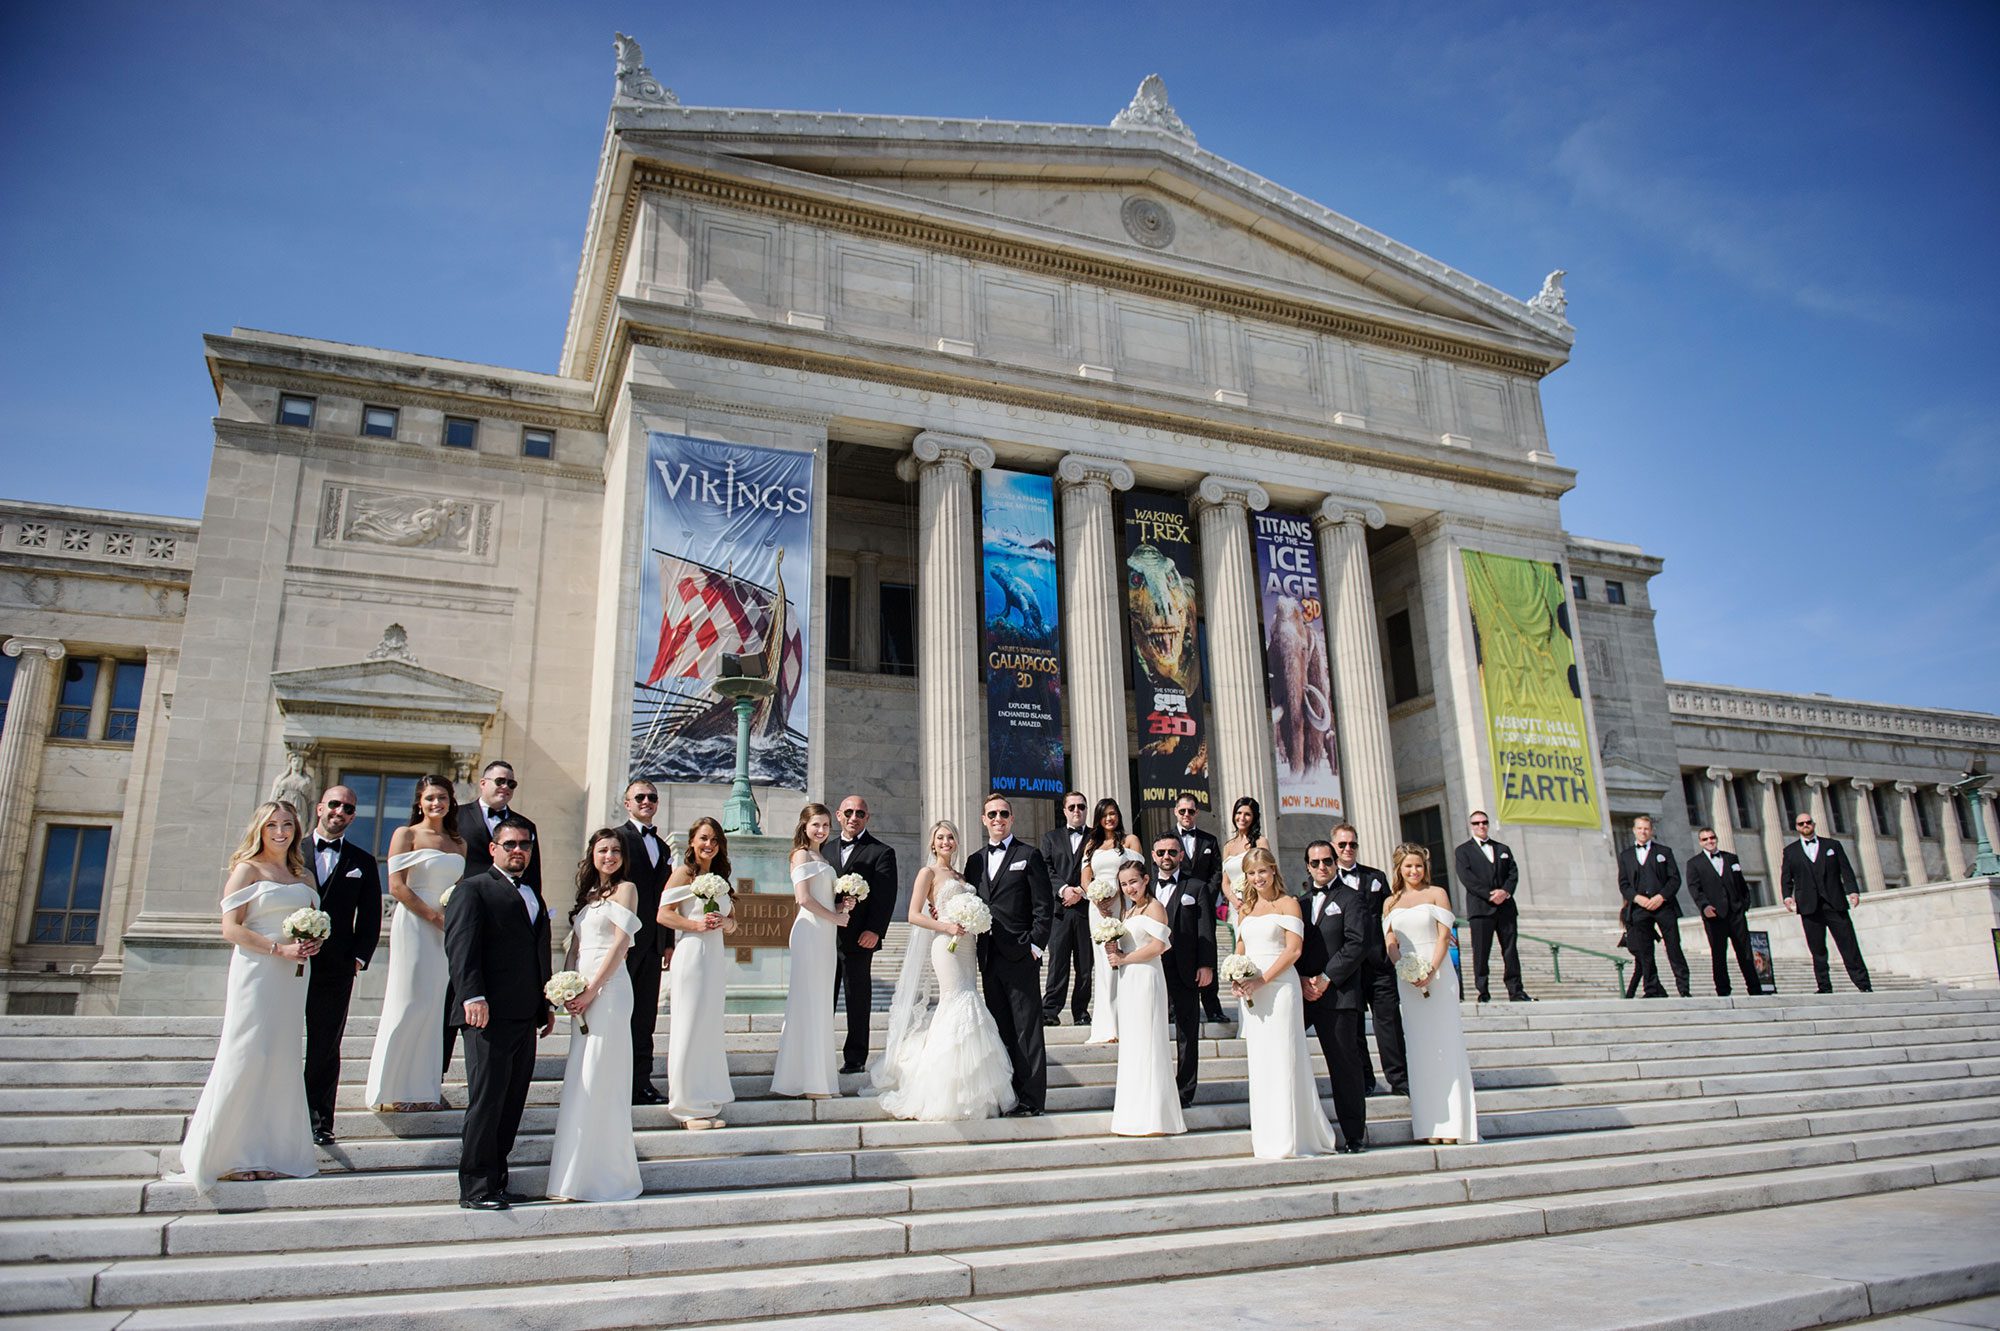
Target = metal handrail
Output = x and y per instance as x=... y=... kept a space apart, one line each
x=1556 y=950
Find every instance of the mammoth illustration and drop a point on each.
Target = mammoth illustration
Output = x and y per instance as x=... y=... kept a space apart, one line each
x=1301 y=692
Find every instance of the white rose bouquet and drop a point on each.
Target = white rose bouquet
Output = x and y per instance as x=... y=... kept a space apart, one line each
x=307 y=924
x=563 y=986
x=969 y=913
x=1414 y=970
x=1108 y=930
x=1235 y=970
x=852 y=886
x=711 y=888
x=1101 y=890
x=444 y=897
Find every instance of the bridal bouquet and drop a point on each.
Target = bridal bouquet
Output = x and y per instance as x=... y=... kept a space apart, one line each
x=1101 y=890
x=1414 y=970
x=852 y=886
x=307 y=923
x=563 y=986
x=1108 y=931
x=444 y=897
x=711 y=888
x=1237 y=969
x=969 y=913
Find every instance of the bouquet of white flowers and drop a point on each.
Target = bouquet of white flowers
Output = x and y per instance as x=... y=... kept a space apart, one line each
x=1101 y=890
x=1415 y=970
x=444 y=897
x=307 y=923
x=1108 y=930
x=1235 y=970
x=969 y=913
x=563 y=986
x=711 y=888
x=852 y=886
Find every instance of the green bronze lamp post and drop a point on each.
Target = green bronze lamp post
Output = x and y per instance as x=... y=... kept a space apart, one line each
x=1969 y=785
x=743 y=682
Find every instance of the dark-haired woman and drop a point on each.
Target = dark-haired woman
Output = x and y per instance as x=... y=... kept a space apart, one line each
x=405 y=1069
x=807 y=1064
x=1106 y=848
x=697 y=1066
x=594 y=1159
x=1246 y=817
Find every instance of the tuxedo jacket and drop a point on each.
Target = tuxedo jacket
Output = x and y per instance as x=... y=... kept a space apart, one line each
x=1065 y=865
x=654 y=939
x=1656 y=876
x=1206 y=861
x=1372 y=886
x=494 y=952
x=1729 y=894
x=478 y=838
x=875 y=861
x=1020 y=897
x=1191 y=919
x=1336 y=944
x=1477 y=877
x=352 y=897
x=1816 y=885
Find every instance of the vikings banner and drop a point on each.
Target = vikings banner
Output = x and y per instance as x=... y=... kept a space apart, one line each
x=1166 y=653
x=727 y=570
x=1295 y=666
x=1024 y=747
x=1534 y=698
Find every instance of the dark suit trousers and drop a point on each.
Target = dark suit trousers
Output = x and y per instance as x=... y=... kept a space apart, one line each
x=852 y=967
x=1013 y=996
x=1379 y=987
x=1345 y=1048
x=1724 y=933
x=1184 y=1006
x=1069 y=937
x=452 y=1007
x=643 y=965
x=1505 y=922
x=327 y=996
x=1646 y=927
x=1211 y=1001
x=499 y=1065
x=1818 y=925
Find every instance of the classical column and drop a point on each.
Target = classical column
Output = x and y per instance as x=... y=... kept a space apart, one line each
x=866 y=621
x=1361 y=700
x=30 y=713
x=949 y=725
x=1245 y=763
x=1720 y=813
x=1989 y=803
x=1910 y=832
x=1864 y=833
x=1816 y=799
x=1948 y=835
x=1093 y=630
x=1773 y=817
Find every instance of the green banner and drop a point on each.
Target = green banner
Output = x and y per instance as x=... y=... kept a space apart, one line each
x=1534 y=697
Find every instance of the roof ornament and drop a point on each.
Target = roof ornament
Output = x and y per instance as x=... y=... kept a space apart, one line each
x=395 y=646
x=1551 y=299
x=1150 y=109
x=636 y=82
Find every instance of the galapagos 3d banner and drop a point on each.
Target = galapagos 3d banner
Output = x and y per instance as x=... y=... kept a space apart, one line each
x=1024 y=743
x=1296 y=679
x=1160 y=611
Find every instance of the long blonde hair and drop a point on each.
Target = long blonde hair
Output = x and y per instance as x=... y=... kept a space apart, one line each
x=930 y=842
x=1260 y=855
x=1409 y=850
x=252 y=844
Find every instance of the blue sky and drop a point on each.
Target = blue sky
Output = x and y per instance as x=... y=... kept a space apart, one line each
x=1777 y=221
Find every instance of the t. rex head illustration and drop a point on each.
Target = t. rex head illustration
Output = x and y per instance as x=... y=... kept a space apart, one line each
x=1160 y=606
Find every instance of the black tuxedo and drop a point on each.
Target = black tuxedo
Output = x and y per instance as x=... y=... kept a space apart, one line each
x=496 y=953
x=1190 y=910
x=1656 y=875
x=642 y=959
x=1728 y=895
x=478 y=838
x=875 y=861
x=1336 y=948
x=1378 y=980
x=1819 y=887
x=1069 y=932
x=352 y=897
x=1203 y=861
x=1023 y=906
x=1479 y=877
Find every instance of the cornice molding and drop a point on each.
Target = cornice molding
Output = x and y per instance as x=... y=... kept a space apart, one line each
x=1717 y=704
x=389 y=394
x=672 y=399
x=292 y=439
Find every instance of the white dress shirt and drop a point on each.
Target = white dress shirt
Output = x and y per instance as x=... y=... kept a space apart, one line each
x=652 y=842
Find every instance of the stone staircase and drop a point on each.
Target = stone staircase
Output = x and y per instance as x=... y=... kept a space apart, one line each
x=1597 y=1114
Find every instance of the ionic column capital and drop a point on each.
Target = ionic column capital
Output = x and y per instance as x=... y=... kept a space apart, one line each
x=1079 y=470
x=1861 y=783
x=1339 y=510
x=934 y=448
x=48 y=647
x=1946 y=789
x=1719 y=774
x=1231 y=492
x=1907 y=787
x=1770 y=778
x=1816 y=781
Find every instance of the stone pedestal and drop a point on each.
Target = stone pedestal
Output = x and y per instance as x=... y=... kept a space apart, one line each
x=1719 y=812
x=1955 y=865
x=1865 y=837
x=1093 y=634
x=30 y=713
x=1909 y=833
x=1361 y=701
x=1245 y=763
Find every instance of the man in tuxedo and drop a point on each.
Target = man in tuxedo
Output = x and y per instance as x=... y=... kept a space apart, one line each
x=1190 y=961
x=1378 y=977
x=478 y=826
x=1330 y=967
x=1011 y=878
x=350 y=892
x=1650 y=883
x=1715 y=880
x=648 y=863
x=1201 y=861
x=1069 y=936
x=858 y=851
x=496 y=941
x=1819 y=887
x=1489 y=874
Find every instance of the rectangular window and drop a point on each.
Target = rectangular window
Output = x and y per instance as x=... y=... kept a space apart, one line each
x=538 y=443
x=7 y=667
x=128 y=683
x=73 y=704
x=1924 y=830
x=839 y=624
x=1836 y=809
x=1878 y=806
x=72 y=887
x=460 y=432
x=1691 y=797
x=1402 y=663
x=1576 y=588
x=899 y=629
x=378 y=422
x=1739 y=791
x=1614 y=593
x=382 y=803
x=1425 y=827
x=295 y=410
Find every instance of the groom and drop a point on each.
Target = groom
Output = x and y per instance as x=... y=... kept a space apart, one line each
x=1011 y=877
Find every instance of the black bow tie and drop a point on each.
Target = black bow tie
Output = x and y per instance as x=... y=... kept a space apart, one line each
x=849 y=845
x=497 y=815
x=647 y=829
x=334 y=844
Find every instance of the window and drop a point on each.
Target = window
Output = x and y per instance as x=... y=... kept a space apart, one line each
x=538 y=443
x=295 y=410
x=7 y=667
x=73 y=704
x=1614 y=593
x=1836 y=809
x=382 y=803
x=1923 y=816
x=1691 y=796
x=379 y=422
x=1964 y=813
x=839 y=624
x=1576 y=589
x=72 y=886
x=1402 y=663
x=1426 y=828
x=21 y=1004
x=459 y=432
x=128 y=683
x=1739 y=790
x=899 y=629
x=1878 y=806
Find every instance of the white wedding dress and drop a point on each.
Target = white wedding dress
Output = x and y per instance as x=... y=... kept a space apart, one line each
x=1103 y=979
x=1286 y=1119
x=1147 y=1101
x=1232 y=885
x=697 y=983
x=1441 y=1099
x=405 y=1066
x=807 y=1062
x=594 y=1159
x=252 y=1111
x=952 y=1067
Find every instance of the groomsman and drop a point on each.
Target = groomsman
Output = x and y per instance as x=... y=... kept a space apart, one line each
x=1378 y=977
x=1650 y=882
x=648 y=863
x=1190 y=960
x=478 y=826
x=1201 y=860
x=1069 y=937
x=858 y=851
x=1490 y=875
x=350 y=892
x=1012 y=880
x=1715 y=880
x=1819 y=887
x=1330 y=967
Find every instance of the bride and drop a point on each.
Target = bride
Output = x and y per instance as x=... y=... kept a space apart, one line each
x=1417 y=922
x=948 y=1064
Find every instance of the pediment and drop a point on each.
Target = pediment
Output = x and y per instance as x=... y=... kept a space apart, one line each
x=1635 y=784
x=381 y=686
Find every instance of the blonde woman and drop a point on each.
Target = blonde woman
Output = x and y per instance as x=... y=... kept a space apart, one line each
x=808 y=1064
x=1417 y=922
x=1286 y=1120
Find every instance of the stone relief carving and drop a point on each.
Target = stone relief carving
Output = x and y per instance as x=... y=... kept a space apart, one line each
x=294 y=785
x=353 y=515
x=1148 y=223
x=1150 y=109
x=636 y=82
x=1551 y=300
x=395 y=646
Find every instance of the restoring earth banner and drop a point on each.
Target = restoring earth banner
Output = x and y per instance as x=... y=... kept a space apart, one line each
x=726 y=570
x=1024 y=745
x=1166 y=652
x=1296 y=679
x=1534 y=697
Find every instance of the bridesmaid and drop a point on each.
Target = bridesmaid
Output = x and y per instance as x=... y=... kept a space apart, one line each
x=594 y=1159
x=1286 y=1119
x=807 y=1064
x=251 y=1120
x=1105 y=848
x=405 y=1066
x=697 y=1065
x=1247 y=817
x=1147 y=1102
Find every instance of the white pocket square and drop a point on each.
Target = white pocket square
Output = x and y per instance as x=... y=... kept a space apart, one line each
x=1018 y=864
x=1333 y=907
x=1187 y=900
x=1659 y=859
x=353 y=873
x=1503 y=854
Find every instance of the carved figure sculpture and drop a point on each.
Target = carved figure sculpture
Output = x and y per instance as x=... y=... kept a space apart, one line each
x=294 y=786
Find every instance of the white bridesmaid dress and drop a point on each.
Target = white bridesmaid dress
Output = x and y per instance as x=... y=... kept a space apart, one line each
x=405 y=1067
x=1147 y=1101
x=1441 y=1098
x=252 y=1111
x=697 y=1065
x=1103 y=979
x=807 y=1063
x=1285 y=1115
x=1232 y=886
x=955 y=1067
x=594 y=1159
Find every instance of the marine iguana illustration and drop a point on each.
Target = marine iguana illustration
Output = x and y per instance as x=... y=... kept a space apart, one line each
x=1020 y=601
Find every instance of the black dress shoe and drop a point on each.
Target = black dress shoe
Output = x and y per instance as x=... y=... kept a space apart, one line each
x=483 y=1203
x=1353 y=1148
x=322 y=1136
x=1529 y=998
x=1402 y=1090
x=513 y=1198
x=1484 y=999
x=1372 y=1088
x=646 y=1095
x=849 y=1069
x=1050 y=1019
x=1024 y=1111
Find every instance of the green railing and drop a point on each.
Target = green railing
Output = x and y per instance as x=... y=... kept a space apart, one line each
x=1556 y=950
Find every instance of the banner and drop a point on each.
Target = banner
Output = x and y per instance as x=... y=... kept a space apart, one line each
x=726 y=570
x=1534 y=697
x=1024 y=747
x=1295 y=666
x=1762 y=965
x=1166 y=652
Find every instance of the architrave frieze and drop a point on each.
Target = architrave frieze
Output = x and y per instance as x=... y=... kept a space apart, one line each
x=668 y=399
x=499 y=406
x=328 y=585
x=1715 y=704
x=260 y=435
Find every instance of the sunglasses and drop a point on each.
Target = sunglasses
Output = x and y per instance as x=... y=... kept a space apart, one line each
x=504 y=782
x=1072 y=808
x=513 y=845
x=645 y=799
x=340 y=806
x=997 y=814
x=1479 y=822
x=854 y=813
x=1323 y=862
x=1347 y=845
